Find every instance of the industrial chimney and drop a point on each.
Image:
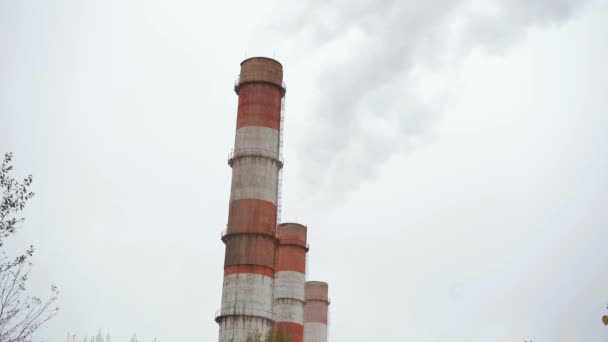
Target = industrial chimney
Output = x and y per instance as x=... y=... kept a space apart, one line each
x=289 y=281
x=264 y=265
x=250 y=238
x=315 y=311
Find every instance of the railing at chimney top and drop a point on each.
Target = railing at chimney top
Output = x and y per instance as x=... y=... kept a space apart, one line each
x=224 y=234
x=254 y=152
x=244 y=311
x=263 y=78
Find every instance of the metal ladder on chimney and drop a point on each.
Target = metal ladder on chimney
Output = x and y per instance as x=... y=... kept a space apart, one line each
x=280 y=178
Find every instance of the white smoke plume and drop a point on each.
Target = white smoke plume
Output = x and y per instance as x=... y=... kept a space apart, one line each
x=386 y=87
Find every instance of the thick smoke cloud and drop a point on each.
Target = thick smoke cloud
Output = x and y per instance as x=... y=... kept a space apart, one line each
x=389 y=79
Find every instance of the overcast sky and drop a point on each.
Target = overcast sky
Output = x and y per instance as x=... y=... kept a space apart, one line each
x=450 y=159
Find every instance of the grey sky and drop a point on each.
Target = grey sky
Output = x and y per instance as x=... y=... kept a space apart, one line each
x=449 y=158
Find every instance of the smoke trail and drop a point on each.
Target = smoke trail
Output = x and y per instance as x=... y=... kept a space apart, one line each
x=375 y=99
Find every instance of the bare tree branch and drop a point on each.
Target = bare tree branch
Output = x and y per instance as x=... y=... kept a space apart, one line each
x=20 y=314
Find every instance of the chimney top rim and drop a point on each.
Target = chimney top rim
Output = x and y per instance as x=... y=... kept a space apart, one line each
x=262 y=57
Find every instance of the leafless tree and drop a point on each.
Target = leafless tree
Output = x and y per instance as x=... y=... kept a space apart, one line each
x=98 y=338
x=20 y=314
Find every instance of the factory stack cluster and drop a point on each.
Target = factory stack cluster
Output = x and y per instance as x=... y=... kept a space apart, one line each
x=265 y=288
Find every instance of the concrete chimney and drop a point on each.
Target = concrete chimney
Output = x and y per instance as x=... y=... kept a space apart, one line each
x=289 y=278
x=250 y=238
x=315 y=311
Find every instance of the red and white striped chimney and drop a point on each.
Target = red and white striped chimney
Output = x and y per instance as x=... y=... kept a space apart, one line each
x=247 y=294
x=289 y=278
x=315 y=311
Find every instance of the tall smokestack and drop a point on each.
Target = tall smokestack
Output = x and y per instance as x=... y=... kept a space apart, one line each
x=289 y=281
x=315 y=311
x=247 y=294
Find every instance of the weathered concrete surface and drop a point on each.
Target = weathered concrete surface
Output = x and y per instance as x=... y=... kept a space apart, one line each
x=238 y=328
x=246 y=306
x=317 y=290
x=292 y=332
x=261 y=69
x=245 y=290
x=259 y=105
x=315 y=332
x=289 y=284
x=289 y=301
x=256 y=137
x=250 y=249
x=255 y=177
x=289 y=310
x=315 y=311
x=290 y=268
x=292 y=248
x=252 y=216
